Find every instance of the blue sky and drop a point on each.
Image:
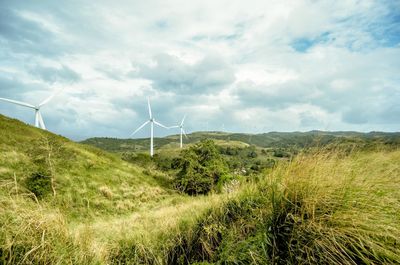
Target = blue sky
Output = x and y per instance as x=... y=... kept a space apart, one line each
x=245 y=66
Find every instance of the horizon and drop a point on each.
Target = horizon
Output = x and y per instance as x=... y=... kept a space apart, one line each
x=244 y=133
x=254 y=67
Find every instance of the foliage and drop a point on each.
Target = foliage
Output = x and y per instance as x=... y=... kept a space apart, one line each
x=322 y=208
x=39 y=184
x=247 y=160
x=281 y=153
x=164 y=162
x=201 y=168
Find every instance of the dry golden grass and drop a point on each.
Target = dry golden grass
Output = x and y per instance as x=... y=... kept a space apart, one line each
x=320 y=208
x=326 y=207
x=345 y=209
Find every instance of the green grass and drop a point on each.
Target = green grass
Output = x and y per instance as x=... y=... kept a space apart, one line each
x=321 y=207
x=95 y=192
x=89 y=182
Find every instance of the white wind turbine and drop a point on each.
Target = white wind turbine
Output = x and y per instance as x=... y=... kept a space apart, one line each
x=38 y=116
x=182 y=130
x=152 y=121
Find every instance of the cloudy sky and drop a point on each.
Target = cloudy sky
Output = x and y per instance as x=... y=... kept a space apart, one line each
x=243 y=66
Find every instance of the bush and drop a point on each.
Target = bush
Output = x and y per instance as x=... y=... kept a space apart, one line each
x=252 y=154
x=163 y=163
x=281 y=153
x=202 y=167
x=39 y=184
x=176 y=163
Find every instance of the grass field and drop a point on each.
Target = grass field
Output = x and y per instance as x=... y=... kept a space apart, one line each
x=325 y=206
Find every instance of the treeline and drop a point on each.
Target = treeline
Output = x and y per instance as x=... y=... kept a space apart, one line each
x=285 y=140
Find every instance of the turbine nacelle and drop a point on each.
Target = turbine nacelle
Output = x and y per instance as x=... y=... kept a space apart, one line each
x=182 y=131
x=38 y=116
x=152 y=121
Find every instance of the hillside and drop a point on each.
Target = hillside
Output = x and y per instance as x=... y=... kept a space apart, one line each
x=321 y=206
x=285 y=140
x=82 y=174
x=98 y=198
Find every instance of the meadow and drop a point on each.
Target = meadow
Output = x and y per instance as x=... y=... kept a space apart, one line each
x=336 y=203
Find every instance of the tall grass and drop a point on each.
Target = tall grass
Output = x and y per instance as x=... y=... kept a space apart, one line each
x=321 y=208
x=338 y=209
x=36 y=235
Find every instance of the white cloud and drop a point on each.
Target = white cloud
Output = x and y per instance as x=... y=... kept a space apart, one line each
x=289 y=65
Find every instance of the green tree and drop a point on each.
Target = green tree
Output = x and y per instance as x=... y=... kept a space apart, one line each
x=201 y=168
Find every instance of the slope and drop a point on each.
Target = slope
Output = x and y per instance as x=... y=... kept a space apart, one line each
x=320 y=207
x=97 y=197
x=88 y=181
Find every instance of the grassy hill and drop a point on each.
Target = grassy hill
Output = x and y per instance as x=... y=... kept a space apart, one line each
x=331 y=205
x=98 y=198
x=87 y=180
x=292 y=140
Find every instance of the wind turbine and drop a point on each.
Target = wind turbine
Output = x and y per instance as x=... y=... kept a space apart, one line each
x=38 y=116
x=152 y=121
x=182 y=130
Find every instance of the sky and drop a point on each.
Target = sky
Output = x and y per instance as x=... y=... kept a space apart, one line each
x=238 y=66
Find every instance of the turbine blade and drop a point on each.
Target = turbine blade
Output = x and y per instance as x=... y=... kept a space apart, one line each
x=138 y=129
x=170 y=127
x=159 y=124
x=183 y=120
x=184 y=133
x=148 y=104
x=50 y=98
x=41 y=122
x=18 y=103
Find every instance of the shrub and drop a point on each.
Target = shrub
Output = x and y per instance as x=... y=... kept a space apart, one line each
x=176 y=162
x=252 y=154
x=264 y=152
x=39 y=184
x=163 y=163
x=281 y=153
x=201 y=168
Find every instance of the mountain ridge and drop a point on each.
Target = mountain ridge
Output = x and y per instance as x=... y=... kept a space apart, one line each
x=263 y=140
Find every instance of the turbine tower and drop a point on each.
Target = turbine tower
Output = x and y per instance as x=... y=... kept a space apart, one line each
x=152 y=121
x=182 y=130
x=38 y=116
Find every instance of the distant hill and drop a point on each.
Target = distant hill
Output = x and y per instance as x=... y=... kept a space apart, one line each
x=264 y=140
